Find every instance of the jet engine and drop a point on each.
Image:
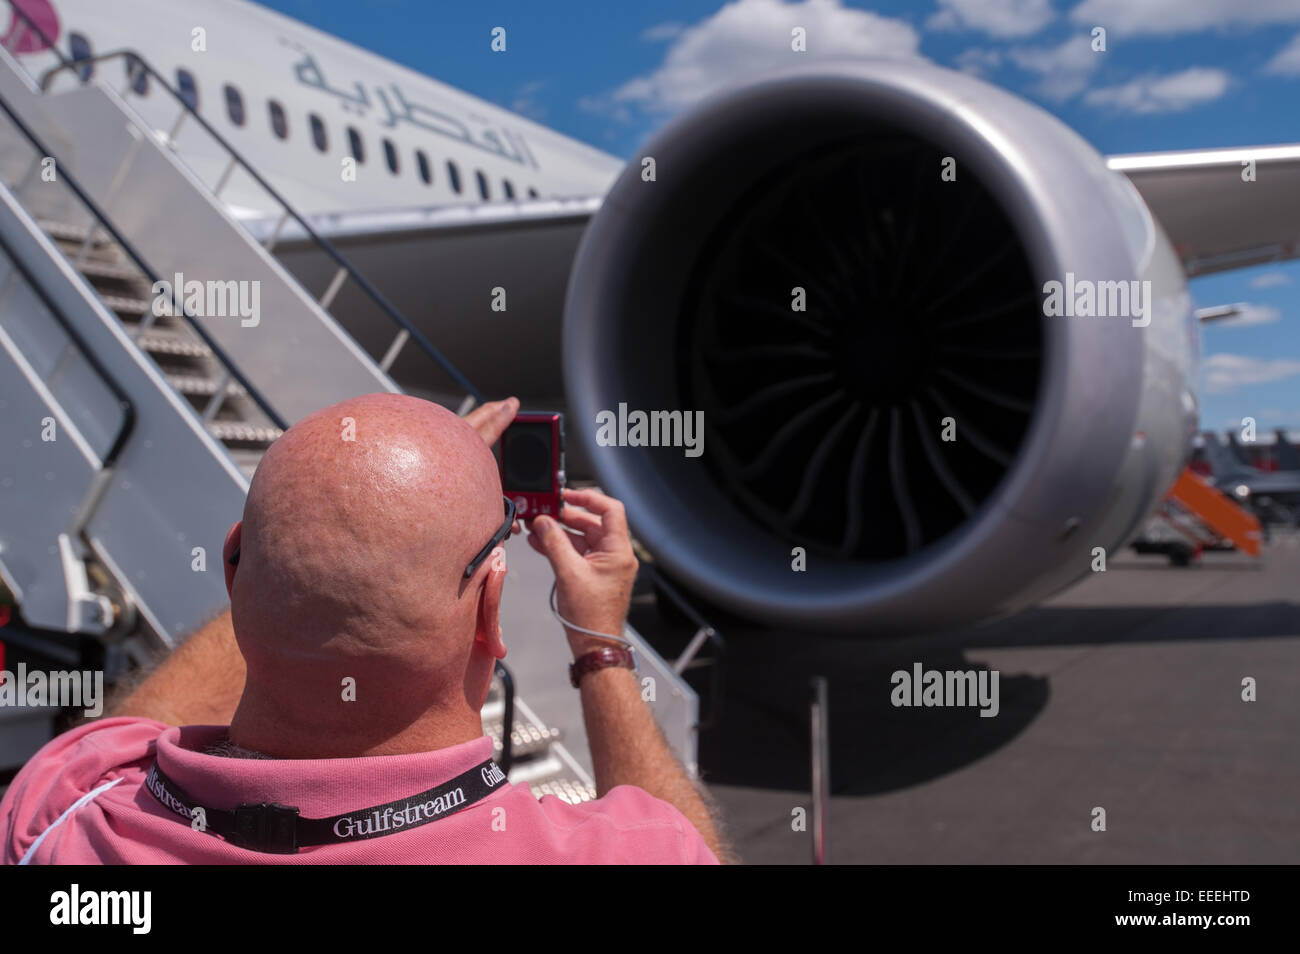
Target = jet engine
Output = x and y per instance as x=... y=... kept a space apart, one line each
x=940 y=352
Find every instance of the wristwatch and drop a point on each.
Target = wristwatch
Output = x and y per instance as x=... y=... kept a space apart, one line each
x=602 y=658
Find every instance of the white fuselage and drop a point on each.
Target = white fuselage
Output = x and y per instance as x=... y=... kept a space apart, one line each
x=293 y=101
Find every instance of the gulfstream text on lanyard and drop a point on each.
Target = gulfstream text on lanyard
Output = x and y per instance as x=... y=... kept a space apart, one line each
x=279 y=829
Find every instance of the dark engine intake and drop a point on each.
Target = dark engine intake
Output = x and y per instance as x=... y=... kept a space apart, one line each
x=919 y=307
x=843 y=270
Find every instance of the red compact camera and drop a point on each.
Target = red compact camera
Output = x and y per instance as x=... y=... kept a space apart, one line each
x=532 y=463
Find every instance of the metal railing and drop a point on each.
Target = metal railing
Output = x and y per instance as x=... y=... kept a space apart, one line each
x=705 y=634
x=820 y=742
x=231 y=369
x=507 y=678
x=136 y=66
x=123 y=434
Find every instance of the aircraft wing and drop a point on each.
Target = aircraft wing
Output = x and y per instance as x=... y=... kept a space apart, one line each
x=1216 y=219
x=442 y=268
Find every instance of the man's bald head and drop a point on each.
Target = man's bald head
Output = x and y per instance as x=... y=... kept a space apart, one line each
x=357 y=529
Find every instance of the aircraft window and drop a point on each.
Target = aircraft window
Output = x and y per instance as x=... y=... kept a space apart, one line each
x=357 y=146
x=80 y=48
x=279 y=122
x=482 y=184
x=390 y=156
x=510 y=189
x=186 y=86
x=234 y=105
x=422 y=161
x=318 y=135
x=532 y=193
x=136 y=75
x=453 y=173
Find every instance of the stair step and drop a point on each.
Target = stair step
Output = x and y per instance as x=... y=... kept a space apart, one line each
x=526 y=739
x=244 y=433
x=93 y=269
x=73 y=233
x=197 y=384
x=570 y=790
x=174 y=345
x=127 y=306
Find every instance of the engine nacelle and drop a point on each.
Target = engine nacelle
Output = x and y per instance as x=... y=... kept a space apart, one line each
x=846 y=269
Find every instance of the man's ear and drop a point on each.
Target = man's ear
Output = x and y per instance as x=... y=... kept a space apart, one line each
x=488 y=630
x=233 y=536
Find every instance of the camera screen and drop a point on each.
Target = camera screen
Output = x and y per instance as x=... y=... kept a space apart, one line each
x=526 y=454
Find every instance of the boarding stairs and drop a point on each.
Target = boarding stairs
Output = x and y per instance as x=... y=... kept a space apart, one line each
x=128 y=437
x=1216 y=513
x=190 y=366
x=1196 y=516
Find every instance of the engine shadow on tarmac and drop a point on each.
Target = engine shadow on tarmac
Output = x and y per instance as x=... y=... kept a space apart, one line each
x=760 y=737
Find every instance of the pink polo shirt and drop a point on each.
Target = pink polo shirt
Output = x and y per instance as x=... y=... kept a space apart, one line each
x=81 y=800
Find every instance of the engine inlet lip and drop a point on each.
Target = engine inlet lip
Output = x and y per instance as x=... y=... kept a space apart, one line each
x=614 y=272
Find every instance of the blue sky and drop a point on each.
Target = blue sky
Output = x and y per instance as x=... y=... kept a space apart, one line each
x=1176 y=74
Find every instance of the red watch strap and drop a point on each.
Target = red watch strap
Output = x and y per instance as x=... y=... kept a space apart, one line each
x=602 y=658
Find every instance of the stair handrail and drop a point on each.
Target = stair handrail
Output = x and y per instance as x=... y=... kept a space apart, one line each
x=289 y=212
x=106 y=224
x=108 y=459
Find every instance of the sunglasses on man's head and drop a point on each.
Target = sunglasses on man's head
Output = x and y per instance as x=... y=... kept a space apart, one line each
x=498 y=537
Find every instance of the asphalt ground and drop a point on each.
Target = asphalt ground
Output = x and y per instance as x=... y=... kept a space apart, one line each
x=1123 y=693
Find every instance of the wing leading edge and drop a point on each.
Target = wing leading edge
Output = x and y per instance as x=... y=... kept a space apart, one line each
x=1222 y=208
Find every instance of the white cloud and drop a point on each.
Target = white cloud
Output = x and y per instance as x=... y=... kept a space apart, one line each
x=1063 y=70
x=1287 y=60
x=978 y=61
x=1170 y=93
x=1005 y=18
x=747 y=38
x=1270 y=280
x=1225 y=373
x=1249 y=313
x=605 y=106
x=1166 y=17
x=525 y=101
x=663 y=31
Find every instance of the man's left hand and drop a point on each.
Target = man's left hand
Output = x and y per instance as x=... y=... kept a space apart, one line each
x=492 y=419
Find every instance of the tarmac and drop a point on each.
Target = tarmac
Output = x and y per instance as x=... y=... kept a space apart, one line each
x=1123 y=693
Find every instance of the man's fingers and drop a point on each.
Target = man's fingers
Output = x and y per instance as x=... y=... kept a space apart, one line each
x=588 y=497
x=491 y=419
x=579 y=543
x=580 y=520
x=554 y=543
x=613 y=517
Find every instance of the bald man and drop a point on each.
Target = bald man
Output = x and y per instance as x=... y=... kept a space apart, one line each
x=333 y=716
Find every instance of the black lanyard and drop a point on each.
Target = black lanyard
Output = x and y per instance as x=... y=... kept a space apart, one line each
x=279 y=829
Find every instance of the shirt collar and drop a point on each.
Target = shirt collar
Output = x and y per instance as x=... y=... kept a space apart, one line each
x=317 y=787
